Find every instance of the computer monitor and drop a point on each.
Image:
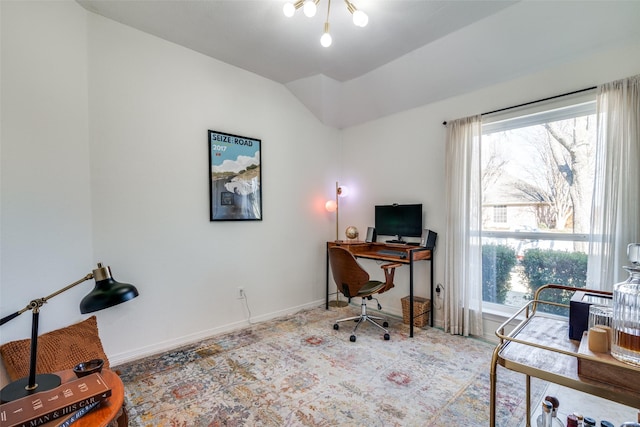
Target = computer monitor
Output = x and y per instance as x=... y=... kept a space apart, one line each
x=399 y=220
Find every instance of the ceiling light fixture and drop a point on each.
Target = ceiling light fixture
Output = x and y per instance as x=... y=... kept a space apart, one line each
x=309 y=7
x=326 y=40
x=289 y=8
x=360 y=19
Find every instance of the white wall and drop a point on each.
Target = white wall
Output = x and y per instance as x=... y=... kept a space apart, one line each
x=124 y=181
x=151 y=105
x=45 y=214
x=400 y=158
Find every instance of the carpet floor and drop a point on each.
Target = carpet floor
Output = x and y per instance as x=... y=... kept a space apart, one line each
x=298 y=371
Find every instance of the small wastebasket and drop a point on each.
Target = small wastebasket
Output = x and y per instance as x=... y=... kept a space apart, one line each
x=421 y=308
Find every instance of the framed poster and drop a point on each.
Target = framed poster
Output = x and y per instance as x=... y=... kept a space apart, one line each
x=235 y=178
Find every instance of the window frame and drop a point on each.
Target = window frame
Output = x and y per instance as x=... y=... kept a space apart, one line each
x=547 y=111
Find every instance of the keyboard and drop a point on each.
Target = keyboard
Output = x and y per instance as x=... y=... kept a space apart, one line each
x=388 y=252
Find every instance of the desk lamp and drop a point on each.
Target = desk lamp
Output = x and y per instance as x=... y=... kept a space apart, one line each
x=106 y=293
x=332 y=206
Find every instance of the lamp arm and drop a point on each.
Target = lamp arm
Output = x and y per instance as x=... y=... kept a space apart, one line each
x=66 y=288
x=39 y=302
x=11 y=317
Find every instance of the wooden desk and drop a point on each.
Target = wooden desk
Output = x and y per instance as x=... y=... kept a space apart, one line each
x=109 y=410
x=372 y=251
x=540 y=347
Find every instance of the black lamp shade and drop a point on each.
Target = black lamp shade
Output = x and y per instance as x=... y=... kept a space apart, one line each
x=107 y=293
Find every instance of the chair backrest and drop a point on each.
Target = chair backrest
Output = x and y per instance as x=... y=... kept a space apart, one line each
x=347 y=273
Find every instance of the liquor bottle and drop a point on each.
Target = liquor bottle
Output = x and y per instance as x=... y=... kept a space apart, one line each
x=626 y=312
x=555 y=403
x=554 y=421
x=580 y=418
x=572 y=421
x=544 y=419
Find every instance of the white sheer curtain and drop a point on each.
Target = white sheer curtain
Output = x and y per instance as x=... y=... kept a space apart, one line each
x=615 y=215
x=463 y=256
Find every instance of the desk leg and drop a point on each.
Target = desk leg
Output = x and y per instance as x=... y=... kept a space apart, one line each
x=326 y=299
x=411 y=295
x=432 y=295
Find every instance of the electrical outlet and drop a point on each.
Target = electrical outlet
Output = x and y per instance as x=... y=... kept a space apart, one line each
x=240 y=293
x=439 y=289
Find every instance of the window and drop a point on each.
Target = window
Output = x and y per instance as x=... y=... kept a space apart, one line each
x=538 y=166
x=500 y=214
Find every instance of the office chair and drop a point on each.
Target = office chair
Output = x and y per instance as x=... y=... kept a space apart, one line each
x=353 y=281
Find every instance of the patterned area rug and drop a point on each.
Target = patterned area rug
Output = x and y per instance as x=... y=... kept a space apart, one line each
x=298 y=371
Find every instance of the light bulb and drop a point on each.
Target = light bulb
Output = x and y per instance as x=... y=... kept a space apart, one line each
x=343 y=191
x=289 y=9
x=325 y=40
x=360 y=18
x=331 y=206
x=309 y=8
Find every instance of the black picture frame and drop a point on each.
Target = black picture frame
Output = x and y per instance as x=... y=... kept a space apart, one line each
x=235 y=177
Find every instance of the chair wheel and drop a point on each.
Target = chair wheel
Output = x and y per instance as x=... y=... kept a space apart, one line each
x=352 y=338
x=386 y=337
x=336 y=326
x=385 y=324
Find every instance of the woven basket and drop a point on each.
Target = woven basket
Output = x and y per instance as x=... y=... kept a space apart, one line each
x=421 y=308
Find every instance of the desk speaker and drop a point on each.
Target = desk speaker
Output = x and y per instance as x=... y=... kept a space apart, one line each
x=428 y=239
x=371 y=235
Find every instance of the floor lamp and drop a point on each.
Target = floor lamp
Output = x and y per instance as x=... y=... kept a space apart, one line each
x=106 y=293
x=333 y=205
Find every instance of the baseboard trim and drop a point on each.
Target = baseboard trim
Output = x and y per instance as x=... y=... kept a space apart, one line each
x=164 y=346
x=161 y=347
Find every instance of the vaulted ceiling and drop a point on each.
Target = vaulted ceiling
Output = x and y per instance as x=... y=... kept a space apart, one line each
x=411 y=53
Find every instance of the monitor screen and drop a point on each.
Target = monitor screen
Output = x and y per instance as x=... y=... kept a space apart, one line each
x=399 y=220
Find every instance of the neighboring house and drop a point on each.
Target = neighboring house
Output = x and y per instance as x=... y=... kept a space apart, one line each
x=505 y=208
